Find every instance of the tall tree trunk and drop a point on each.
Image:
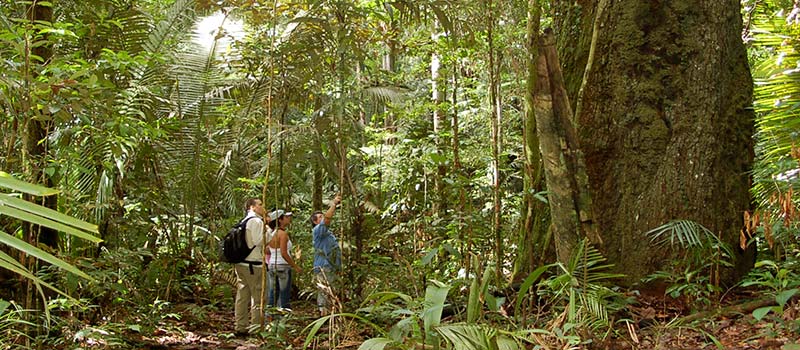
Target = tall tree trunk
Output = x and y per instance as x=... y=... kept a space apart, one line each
x=666 y=125
x=534 y=214
x=494 y=100
x=390 y=65
x=38 y=127
x=437 y=97
x=572 y=24
x=560 y=153
x=464 y=234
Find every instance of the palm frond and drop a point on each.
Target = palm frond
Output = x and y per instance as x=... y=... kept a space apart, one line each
x=135 y=27
x=587 y=265
x=171 y=31
x=384 y=94
x=39 y=215
x=469 y=336
x=777 y=98
x=594 y=310
x=683 y=233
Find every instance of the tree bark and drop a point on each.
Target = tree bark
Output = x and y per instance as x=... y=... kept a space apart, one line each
x=496 y=117
x=534 y=238
x=437 y=97
x=666 y=125
x=569 y=199
x=37 y=128
x=464 y=235
x=572 y=23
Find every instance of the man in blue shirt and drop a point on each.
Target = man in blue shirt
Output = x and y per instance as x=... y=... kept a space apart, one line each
x=327 y=256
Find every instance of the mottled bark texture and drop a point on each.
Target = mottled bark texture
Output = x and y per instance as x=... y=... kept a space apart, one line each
x=666 y=124
x=564 y=165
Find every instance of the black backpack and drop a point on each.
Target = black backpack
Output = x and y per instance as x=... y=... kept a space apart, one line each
x=233 y=248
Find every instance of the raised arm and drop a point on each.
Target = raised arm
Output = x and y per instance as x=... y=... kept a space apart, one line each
x=332 y=209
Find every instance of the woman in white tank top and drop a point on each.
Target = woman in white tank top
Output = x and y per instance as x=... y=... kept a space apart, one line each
x=279 y=260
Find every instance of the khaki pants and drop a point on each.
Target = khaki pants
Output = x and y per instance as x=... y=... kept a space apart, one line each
x=248 y=297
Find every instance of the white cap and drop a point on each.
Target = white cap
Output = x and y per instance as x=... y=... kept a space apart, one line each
x=278 y=213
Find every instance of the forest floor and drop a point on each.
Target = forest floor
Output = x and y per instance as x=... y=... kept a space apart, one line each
x=652 y=327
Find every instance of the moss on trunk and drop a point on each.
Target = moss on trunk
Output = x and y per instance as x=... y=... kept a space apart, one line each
x=666 y=126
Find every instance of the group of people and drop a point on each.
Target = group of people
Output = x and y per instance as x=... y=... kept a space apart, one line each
x=269 y=231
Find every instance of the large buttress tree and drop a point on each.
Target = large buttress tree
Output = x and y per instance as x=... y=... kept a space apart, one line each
x=664 y=120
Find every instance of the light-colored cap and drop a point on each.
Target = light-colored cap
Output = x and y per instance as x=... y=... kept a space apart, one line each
x=278 y=213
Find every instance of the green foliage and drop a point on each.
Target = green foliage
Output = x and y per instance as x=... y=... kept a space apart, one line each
x=416 y=324
x=12 y=324
x=476 y=337
x=35 y=214
x=314 y=328
x=773 y=37
x=478 y=291
x=526 y=285
x=695 y=274
x=581 y=286
x=694 y=285
x=782 y=281
x=776 y=278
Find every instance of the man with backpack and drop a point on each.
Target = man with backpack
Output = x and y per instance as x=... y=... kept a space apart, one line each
x=248 y=272
x=327 y=256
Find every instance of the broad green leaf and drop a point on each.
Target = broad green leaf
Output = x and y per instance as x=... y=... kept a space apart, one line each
x=572 y=306
x=493 y=303
x=792 y=346
x=490 y=301
x=25 y=247
x=527 y=284
x=46 y=212
x=784 y=296
x=40 y=220
x=488 y=273
x=375 y=344
x=9 y=182
x=437 y=158
x=429 y=256
x=759 y=313
x=506 y=343
x=435 y=295
x=313 y=328
x=402 y=328
x=452 y=250
x=474 y=301
x=3 y=306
